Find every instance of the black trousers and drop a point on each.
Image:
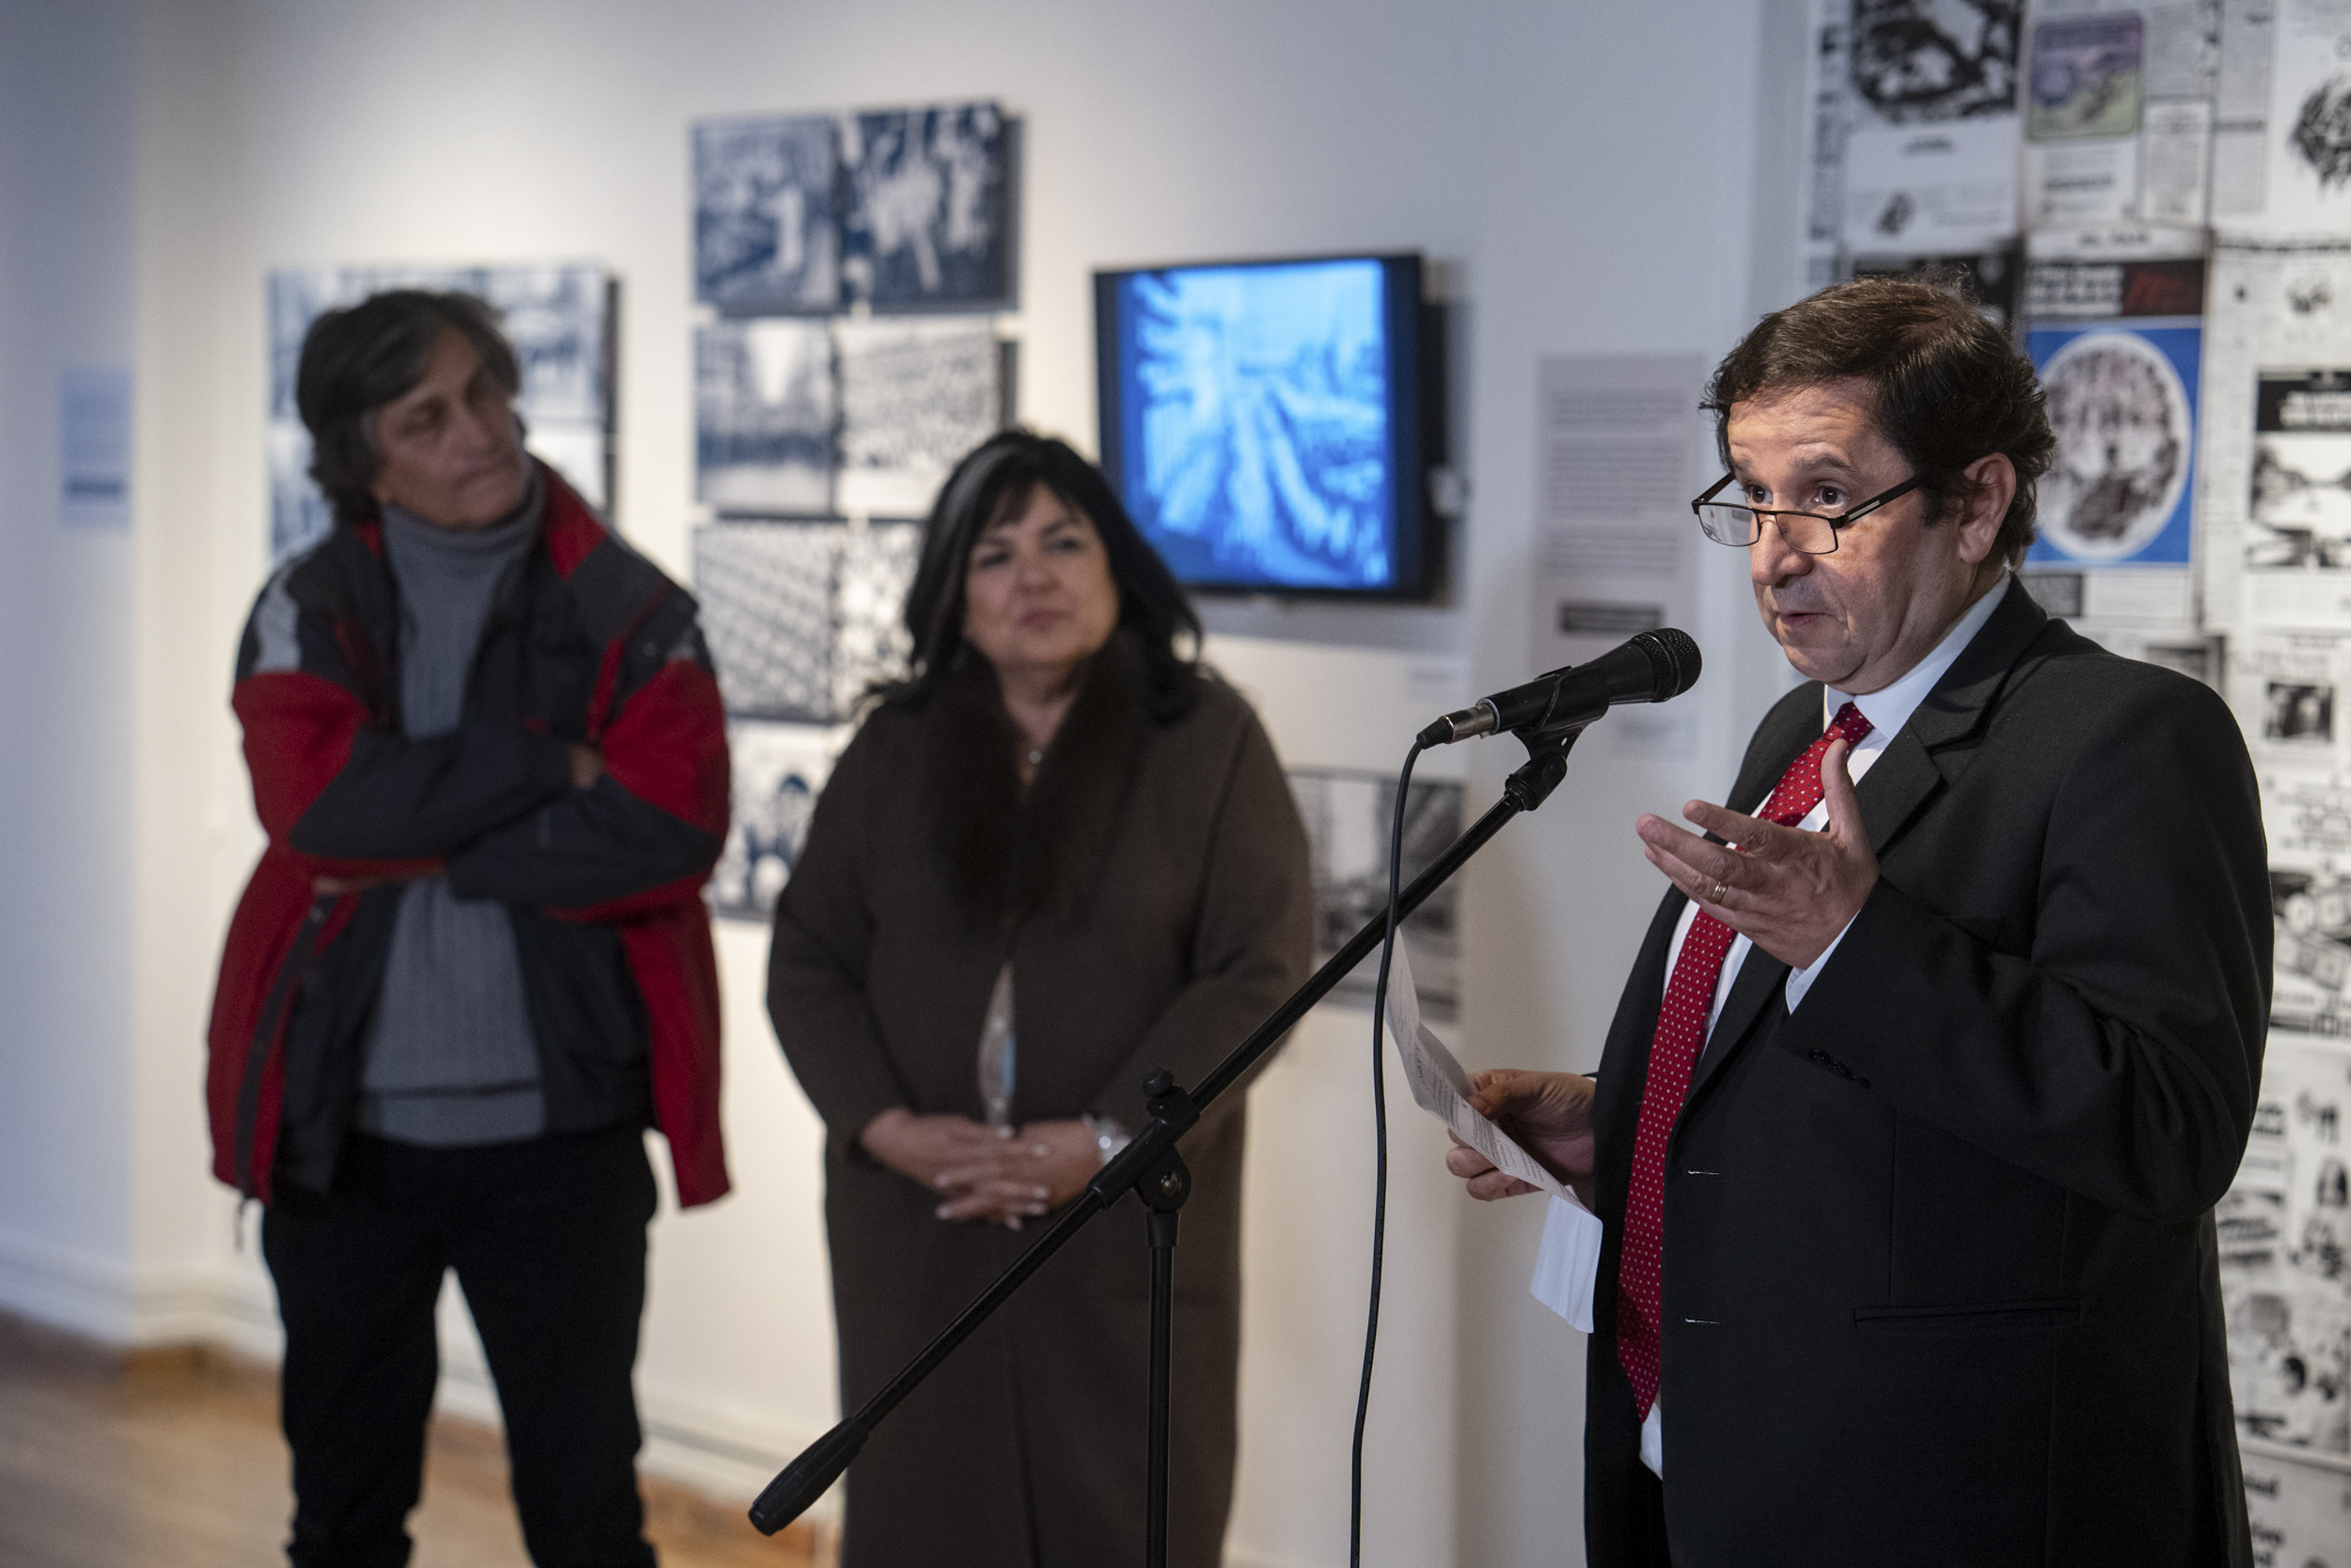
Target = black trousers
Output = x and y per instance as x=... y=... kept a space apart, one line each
x=548 y=1238
x=1624 y=1501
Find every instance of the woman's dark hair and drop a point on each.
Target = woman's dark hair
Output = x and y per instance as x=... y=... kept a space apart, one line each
x=1950 y=388
x=359 y=358
x=993 y=482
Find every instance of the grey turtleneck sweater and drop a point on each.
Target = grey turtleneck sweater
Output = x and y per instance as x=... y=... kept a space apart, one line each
x=451 y=1060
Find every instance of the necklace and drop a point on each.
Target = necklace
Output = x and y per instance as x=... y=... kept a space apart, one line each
x=1036 y=758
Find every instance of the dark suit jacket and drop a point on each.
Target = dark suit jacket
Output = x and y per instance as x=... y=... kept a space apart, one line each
x=1939 y=1281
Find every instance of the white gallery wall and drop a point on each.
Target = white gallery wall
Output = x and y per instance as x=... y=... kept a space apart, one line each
x=68 y=856
x=1583 y=172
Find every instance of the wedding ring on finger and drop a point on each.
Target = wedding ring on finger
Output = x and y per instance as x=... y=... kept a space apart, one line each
x=1716 y=897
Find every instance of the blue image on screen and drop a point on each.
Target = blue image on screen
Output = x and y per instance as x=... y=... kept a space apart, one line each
x=1255 y=411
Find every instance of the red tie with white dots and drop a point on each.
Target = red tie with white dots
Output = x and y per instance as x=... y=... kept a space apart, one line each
x=1673 y=1054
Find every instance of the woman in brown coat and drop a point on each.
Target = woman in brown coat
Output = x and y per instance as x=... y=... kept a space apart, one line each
x=1056 y=858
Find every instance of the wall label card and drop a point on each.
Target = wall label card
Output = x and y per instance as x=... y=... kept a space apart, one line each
x=94 y=440
x=1621 y=447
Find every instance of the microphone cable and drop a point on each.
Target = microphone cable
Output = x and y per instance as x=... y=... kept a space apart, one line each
x=1379 y=1160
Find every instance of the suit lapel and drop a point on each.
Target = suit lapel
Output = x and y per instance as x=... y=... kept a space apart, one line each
x=1930 y=747
x=1897 y=785
x=1761 y=977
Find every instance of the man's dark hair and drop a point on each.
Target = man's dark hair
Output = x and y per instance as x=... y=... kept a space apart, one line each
x=1950 y=387
x=361 y=357
x=993 y=482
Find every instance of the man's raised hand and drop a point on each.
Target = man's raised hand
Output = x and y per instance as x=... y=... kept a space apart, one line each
x=1789 y=891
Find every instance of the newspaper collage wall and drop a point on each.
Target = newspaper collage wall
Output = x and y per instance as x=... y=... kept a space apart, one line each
x=854 y=273
x=2154 y=196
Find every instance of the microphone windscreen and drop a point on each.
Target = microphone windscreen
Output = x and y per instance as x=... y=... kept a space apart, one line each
x=1674 y=655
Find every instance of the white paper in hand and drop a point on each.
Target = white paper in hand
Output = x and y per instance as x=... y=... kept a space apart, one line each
x=1568 y=1267
x=1440 y=1087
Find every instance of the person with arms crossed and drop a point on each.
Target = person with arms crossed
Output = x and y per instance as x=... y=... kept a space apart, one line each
x=473 y=964
x=1941 y=1047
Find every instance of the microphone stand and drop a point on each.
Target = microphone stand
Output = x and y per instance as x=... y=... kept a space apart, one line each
x=1154 y=1172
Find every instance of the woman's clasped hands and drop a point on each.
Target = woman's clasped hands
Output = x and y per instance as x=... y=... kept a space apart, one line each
x=981 y=1175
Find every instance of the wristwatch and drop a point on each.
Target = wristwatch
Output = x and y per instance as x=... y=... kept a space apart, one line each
x=1109 y=1136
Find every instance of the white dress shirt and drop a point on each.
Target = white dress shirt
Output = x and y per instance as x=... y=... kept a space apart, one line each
x=1887 y=711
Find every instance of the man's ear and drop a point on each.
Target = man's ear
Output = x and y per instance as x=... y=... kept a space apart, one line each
x=1991 y=486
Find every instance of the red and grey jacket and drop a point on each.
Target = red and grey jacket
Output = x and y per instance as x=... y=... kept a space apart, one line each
x=589 y=642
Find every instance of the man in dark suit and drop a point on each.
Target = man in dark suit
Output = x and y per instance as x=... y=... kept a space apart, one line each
x=1940 y=1048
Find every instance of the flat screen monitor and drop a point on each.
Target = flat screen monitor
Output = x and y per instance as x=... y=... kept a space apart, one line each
x=1261 y=420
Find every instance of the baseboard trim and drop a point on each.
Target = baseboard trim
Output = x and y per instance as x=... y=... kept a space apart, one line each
x=677 y=1505
x=705 y=1449
x=105 y=1301
x=718 y=1457
x=65 y=1290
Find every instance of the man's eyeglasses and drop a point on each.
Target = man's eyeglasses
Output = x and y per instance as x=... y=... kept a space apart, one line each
x=1808 y=533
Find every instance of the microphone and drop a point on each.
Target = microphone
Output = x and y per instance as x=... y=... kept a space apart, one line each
x=1648 y=668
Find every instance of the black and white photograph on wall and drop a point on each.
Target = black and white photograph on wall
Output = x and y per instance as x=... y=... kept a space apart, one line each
x=2059 y=592
x=2300 y=711
x=2278 y=371
x=766 y=611
x=926 y=221
x=2321 y=137
x=2199 y=658
x=779 y=771
x=916 y=395
x=1951 y=65
x=765 y=235
x=2301 y=471
x=1931 y=61
x=2312 y=911
x=2284 y=1232
x=1348 y=815
x=298 y=514
x=764 y=416
x=2308 y=119
x=558 y=317
x=1988 y=277
x=802 y=617
x=871 y=644
x=297 y=296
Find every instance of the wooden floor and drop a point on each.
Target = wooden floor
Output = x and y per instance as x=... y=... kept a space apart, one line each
x=173 y=1457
